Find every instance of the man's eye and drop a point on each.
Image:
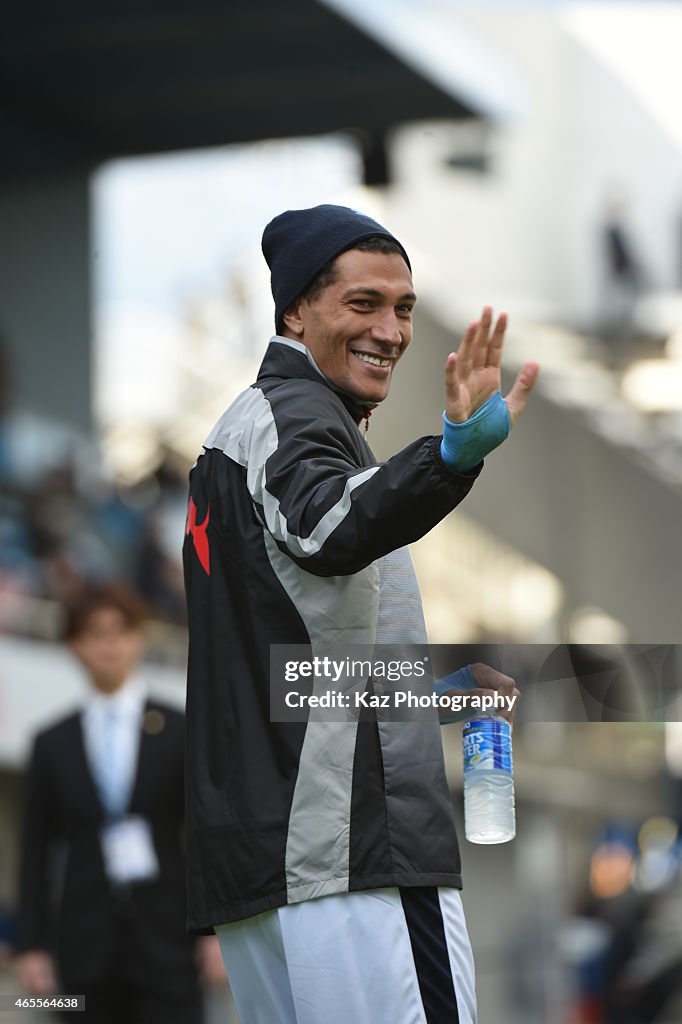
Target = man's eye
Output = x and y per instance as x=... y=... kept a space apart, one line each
x=362 y=302
x=405 y=309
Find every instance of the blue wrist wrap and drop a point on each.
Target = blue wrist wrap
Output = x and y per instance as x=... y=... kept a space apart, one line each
x=462 y=679
x=465 y=444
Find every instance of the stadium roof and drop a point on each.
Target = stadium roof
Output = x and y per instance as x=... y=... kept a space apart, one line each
x=83 y=83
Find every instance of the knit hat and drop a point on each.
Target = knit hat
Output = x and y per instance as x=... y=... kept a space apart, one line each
x=298 y=243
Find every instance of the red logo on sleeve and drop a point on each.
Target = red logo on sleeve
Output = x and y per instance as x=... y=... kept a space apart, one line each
x=198 y=531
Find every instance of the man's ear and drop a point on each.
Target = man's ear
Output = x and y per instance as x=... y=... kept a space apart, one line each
x=293 y=321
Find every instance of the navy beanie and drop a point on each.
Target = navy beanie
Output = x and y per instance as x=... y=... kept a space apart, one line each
x=298 y=243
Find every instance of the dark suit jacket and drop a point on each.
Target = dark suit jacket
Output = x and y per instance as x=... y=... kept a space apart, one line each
x=67 y=905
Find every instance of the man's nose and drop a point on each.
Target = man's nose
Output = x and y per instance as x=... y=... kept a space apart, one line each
x=386 y=328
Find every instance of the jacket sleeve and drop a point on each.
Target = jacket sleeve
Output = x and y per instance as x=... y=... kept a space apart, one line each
x=329 y=513
x=37 y=834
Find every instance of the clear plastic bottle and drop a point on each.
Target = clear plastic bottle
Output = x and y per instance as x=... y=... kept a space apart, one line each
x=489 y=815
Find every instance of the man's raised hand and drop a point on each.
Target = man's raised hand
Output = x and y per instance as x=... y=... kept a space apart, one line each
x=472 y=374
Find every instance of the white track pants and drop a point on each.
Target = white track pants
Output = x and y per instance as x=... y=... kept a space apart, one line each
x=385 y=956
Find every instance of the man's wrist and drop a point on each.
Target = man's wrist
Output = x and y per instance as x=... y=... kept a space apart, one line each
x=466 y=444
x=462 y=679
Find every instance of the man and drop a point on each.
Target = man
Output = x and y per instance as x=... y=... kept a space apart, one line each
x=105 y=808
x=325 y=853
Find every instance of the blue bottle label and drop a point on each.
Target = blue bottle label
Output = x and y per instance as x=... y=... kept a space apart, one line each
x=486 y=743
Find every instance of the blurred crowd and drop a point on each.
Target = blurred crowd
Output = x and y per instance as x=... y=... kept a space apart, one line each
x=624 y=942
x=65 y=520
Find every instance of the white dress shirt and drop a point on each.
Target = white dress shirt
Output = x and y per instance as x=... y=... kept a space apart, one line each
x=111 y=731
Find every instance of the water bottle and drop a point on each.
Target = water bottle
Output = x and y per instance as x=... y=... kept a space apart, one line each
x=488 y=780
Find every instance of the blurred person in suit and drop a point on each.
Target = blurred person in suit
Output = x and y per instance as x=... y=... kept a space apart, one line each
x=102 y=897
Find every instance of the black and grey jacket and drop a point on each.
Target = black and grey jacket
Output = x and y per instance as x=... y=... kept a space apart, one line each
x=295 y=535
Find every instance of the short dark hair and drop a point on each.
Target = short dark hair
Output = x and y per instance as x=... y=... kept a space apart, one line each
x=94 y=597
x=328 y=273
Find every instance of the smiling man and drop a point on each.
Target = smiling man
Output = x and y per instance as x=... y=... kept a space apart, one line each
x=324 y=853
x=357 y=321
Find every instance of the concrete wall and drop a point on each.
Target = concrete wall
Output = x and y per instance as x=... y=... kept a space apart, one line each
x=45 y=295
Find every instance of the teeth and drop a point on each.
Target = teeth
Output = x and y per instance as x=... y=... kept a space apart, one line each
x=374 y=360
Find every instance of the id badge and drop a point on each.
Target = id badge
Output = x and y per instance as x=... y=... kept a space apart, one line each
x=128 y=851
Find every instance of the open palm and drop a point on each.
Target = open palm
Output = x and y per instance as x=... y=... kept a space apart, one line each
x=472 y=374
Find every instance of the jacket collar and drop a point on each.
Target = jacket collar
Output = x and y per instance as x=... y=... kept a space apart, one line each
x=289 y=359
